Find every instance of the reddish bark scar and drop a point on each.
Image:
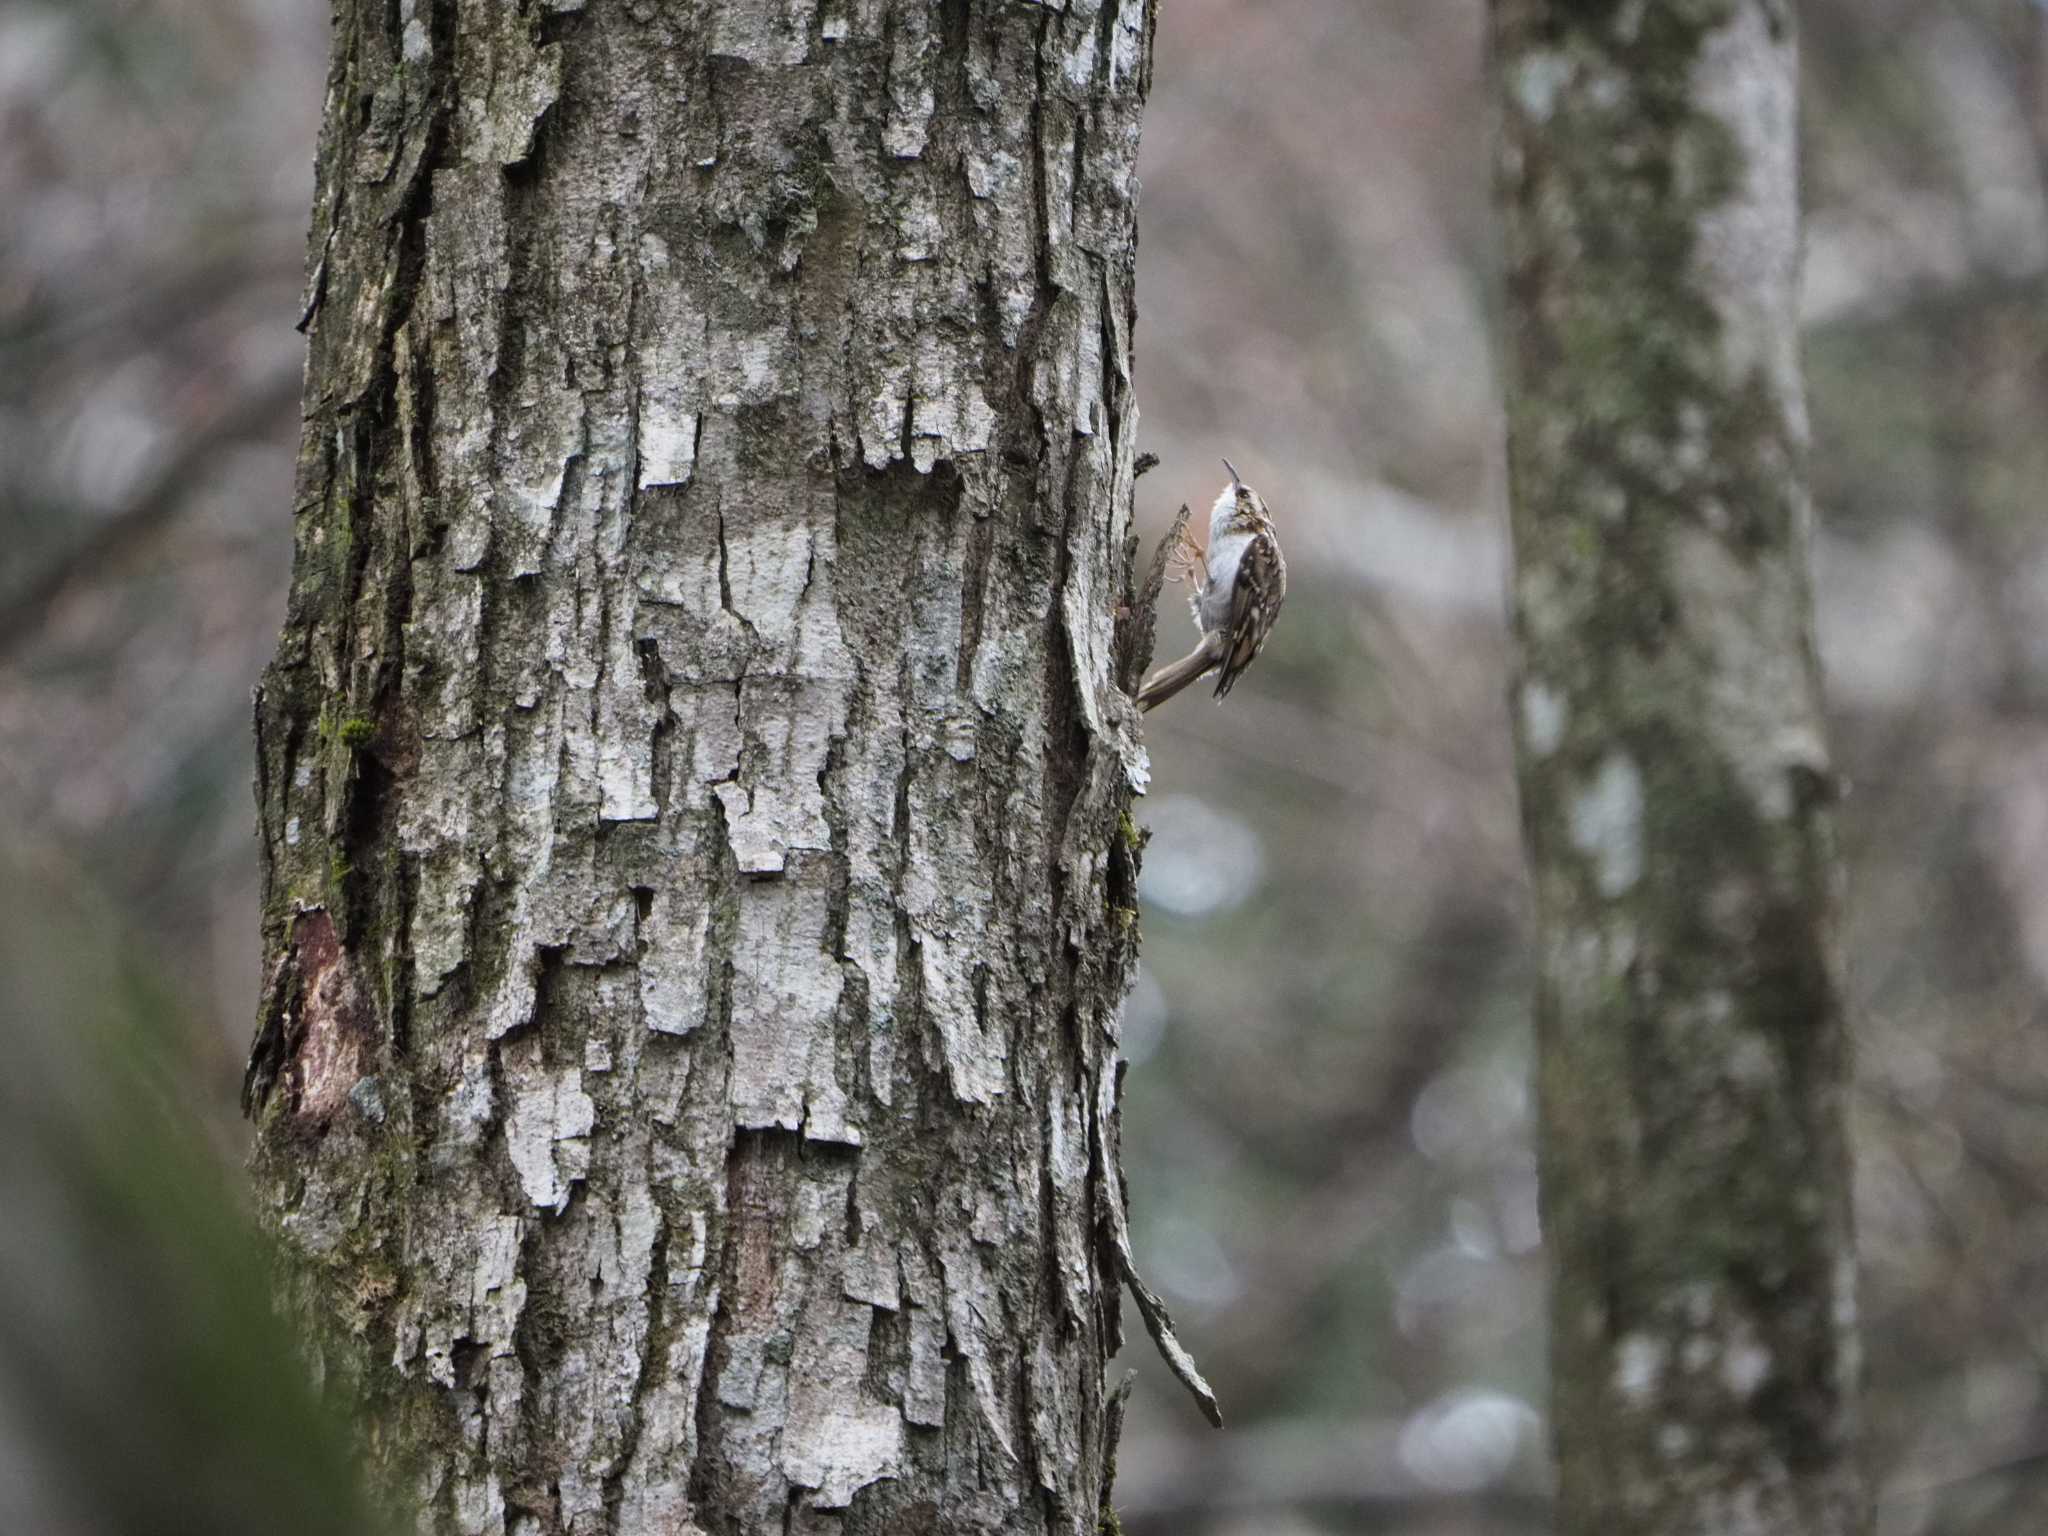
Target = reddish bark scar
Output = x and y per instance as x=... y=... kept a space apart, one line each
x=331 y=1046
x=760 y=1177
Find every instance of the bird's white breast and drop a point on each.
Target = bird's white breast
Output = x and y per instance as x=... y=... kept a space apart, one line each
x=1226 y=550
x=1226 y=553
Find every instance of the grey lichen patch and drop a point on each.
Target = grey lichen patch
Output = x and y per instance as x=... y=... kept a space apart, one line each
x=548 y=1125
x=499 y=126
x=1536 y=80
x=1639 y=1365
x=1544 y=712
x=1607 y=824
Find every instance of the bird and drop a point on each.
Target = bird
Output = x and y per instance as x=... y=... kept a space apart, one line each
x=1239 y=584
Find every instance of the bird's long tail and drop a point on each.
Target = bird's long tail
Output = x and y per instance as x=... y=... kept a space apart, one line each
x=1170 y=679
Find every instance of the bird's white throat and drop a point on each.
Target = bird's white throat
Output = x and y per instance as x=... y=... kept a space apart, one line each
x=1221 y=513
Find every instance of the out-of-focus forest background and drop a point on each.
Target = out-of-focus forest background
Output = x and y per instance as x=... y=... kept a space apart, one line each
x=1327 y=1127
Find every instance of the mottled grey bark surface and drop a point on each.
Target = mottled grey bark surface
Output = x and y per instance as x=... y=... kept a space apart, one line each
x=693 y=776
x=1674 y=775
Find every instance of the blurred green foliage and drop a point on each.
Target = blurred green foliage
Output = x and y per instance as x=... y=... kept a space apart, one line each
x=146 y=1384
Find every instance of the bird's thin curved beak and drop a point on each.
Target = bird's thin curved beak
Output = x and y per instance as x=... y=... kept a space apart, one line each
x=1234 y=480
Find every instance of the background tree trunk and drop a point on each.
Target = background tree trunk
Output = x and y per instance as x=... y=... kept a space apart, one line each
x=1674 y=775
x=693 y=773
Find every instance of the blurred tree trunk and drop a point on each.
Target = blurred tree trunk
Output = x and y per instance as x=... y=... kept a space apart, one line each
x=1675 y=783
x=692 y=771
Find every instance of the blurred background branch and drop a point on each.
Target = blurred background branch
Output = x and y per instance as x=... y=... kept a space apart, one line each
x=105 y=545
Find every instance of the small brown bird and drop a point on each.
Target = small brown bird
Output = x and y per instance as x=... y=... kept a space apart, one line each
x=1239 y=586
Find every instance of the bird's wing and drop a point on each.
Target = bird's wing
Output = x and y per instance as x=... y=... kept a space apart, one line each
x=1255 y=600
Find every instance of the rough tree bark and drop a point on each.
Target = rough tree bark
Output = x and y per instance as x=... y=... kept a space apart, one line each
x=1674 y=775
x=694 y=773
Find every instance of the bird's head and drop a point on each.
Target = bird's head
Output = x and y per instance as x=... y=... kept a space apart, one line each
x=1238 y=507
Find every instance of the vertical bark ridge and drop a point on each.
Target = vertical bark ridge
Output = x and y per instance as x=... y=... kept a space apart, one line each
x=692 y=770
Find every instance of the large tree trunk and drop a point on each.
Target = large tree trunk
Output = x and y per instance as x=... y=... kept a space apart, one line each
x=693 y=769
x=1674 y=775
